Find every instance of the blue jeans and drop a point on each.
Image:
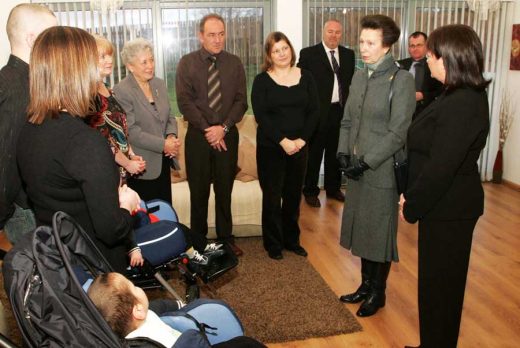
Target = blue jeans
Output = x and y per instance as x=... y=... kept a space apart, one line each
x=20 y=223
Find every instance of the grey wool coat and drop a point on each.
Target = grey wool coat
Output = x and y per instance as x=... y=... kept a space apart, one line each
x=369 y=129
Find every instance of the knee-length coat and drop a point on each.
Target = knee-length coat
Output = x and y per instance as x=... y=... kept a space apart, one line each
x=373 y=127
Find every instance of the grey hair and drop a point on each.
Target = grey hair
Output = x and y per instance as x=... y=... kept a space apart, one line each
x=132 y=48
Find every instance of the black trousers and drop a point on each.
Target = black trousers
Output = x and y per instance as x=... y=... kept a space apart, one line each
x=281 y=179
x=444 y=250
x=205 y=165
x=325 y=140
x=159 y=188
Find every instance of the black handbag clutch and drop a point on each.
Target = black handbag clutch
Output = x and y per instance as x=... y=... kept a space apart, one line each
x=401 y=174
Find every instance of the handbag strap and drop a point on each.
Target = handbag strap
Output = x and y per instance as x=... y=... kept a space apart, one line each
x=390 y=95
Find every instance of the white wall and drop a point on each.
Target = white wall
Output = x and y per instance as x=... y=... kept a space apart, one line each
x=512 y=147
x=289 y=20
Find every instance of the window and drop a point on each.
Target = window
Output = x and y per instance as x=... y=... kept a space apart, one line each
x=173 y=28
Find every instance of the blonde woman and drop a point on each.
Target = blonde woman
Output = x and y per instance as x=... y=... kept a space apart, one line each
x=110 y=117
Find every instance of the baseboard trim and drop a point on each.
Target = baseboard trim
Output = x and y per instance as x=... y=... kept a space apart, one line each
x=511 y=184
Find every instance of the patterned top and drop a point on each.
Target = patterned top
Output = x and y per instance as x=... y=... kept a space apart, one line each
x=110 y=120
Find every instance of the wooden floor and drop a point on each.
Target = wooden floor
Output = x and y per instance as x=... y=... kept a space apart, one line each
x=491 y=316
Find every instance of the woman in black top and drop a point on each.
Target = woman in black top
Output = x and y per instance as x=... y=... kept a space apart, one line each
x=66 y=165
x=444 y=191
x=285 y=104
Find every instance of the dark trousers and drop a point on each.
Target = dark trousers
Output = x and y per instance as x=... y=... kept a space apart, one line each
x=205 y=165
x=444 y=249
x=159 y=188
x=325 y=139
x=281 y=178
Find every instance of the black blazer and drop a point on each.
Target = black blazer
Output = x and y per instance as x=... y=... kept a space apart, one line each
x=431 y=88
x=444 y=144
x=315 y=60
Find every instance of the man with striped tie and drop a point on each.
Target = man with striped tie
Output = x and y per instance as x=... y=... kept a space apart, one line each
x=212 y=97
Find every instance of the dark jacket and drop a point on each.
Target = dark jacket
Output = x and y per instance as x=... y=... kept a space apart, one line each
x=68 y=166
x=444 y=144
x=431 y=88
x=315 y=60
x=14 y=98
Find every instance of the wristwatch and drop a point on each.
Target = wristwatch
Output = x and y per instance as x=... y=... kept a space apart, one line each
x=225 y=128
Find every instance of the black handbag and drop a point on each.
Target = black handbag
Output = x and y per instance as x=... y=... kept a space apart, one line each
x=401 y=172
x=400 y=161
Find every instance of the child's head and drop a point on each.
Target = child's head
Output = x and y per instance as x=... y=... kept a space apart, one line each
x=123 y=305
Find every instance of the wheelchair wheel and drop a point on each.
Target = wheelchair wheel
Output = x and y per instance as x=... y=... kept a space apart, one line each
x=192 y=292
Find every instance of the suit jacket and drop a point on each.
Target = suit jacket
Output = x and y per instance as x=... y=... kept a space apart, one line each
x=431 y=88
x=148 y=126
x=315 y=60
x=444 y=144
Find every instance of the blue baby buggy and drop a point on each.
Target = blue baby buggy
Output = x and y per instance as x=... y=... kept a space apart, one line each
x=44 y=278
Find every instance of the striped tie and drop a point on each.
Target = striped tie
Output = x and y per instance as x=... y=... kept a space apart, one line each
x=335 y=67
x=214 y=93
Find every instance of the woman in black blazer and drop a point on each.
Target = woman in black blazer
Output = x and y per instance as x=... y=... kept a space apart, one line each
x=444 y=188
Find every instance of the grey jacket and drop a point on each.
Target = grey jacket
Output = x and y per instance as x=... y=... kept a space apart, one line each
x=371 y=130
x=148 y=126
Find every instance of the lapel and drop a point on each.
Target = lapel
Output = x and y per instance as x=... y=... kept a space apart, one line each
x=430 y=109
x=323 y=57
x=141 y=98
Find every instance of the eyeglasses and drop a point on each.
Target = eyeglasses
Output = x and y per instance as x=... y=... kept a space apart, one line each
x=280 y=50
x=416 y=45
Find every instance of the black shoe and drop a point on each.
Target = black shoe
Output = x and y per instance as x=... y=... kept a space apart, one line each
x=358 y=296
x=371 y=305
x=298 y=250
x=313 y=201
x=364 y=289
x=376 y=298
x=338 y=195
x=275 y=254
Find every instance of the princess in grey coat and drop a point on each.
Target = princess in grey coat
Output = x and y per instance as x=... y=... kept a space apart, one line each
x=373 y=129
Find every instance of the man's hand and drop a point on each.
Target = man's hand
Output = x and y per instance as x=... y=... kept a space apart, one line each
x=419 y=96
x=220 y=146
x=214 y=134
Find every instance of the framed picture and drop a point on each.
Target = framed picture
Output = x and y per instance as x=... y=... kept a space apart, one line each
x=515 y=48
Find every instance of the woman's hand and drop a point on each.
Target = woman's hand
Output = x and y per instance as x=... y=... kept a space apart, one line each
x=401 y=205
x=300 y=143
x=171 y=146
x=289 y=146
x=136 y=258
x=135 y=166
x=128 y=199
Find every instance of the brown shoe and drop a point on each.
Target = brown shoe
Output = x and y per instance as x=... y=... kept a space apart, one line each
x=236 y=250
x=338 y=195
x=313 y=201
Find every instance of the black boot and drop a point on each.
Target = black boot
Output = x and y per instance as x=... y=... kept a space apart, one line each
x=363 y=290
x=376 y=298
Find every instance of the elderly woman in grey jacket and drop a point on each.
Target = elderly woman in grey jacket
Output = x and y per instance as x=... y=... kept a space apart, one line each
x=152 y=130
x=373 y=129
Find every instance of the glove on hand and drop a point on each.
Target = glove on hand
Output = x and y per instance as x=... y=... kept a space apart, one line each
x=344 y=161
x=356 y=169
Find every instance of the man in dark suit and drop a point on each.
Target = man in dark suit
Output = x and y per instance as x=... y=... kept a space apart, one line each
x=332 y=66
x=426 y=87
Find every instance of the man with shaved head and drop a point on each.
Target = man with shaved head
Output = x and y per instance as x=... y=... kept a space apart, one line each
x=25 y=23
x=332 y=67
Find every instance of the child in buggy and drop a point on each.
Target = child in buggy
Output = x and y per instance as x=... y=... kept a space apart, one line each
x=127 y=310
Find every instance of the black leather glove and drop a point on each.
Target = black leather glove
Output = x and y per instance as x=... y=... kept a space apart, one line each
x=344 y=161
x=356 y=169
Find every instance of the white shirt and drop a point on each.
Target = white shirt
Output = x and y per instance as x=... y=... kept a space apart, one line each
x=335 y=88
x=154 y=328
